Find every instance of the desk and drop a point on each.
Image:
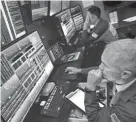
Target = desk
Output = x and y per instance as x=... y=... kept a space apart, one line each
x=60 y=69
x=34 y=113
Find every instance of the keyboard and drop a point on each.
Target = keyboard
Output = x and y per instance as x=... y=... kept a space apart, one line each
x=55 y=100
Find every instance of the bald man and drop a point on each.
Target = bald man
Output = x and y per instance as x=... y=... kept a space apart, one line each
x=119 y=66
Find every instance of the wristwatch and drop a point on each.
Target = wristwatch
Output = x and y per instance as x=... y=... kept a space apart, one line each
x=89 y=90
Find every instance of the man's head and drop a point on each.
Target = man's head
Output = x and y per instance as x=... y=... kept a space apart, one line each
x=119 y=61
x=94 y=13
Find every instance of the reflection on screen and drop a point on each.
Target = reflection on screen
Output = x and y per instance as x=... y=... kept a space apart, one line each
x=65 y=4
x=49 y=68
x=55 y=7
x=39 y=9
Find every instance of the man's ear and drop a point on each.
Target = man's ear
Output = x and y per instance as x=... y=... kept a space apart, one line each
x=126 y=74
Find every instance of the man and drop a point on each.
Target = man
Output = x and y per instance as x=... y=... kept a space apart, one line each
x=96 y=29
x=119 y=66
x=97 y=32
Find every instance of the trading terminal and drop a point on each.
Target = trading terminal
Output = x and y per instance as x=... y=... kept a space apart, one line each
x=39 y=40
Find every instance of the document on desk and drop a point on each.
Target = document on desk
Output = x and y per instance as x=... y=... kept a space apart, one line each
x=77 y=98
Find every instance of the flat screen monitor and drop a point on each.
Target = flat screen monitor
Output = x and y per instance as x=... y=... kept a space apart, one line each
x=55 y=7
x=67 y=24
x=26 y=67
x=12 y=23
x=27 y=54
x=39 y=9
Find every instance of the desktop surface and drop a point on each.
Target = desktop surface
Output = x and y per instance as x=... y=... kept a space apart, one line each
x=34 y=114
x=60 y=76
x=60 y=73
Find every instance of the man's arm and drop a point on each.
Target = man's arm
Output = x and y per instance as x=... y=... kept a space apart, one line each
x=99 y=30
x=84 y=71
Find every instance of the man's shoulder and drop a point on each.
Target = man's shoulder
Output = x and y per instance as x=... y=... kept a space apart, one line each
x=129 y=93
x=102 y=24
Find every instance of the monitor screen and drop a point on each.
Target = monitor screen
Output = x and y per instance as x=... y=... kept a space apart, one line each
x=67 y=24
x=77 y=17
x=55 y=7
x=25 y=65
x=26 y=54
x=12 y=23
x=39 y=9
x=55 y=52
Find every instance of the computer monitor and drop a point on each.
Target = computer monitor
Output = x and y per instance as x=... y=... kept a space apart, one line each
x=55 y=7
x=77 y=16
x=26 y=67
x=67 y=24
x=39 y=9
x=12 y=23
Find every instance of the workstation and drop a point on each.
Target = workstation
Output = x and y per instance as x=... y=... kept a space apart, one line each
x=50 y=50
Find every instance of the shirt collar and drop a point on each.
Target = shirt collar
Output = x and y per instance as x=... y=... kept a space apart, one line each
x=97 y=22
x=92 y=26
x=125 y=86
x=129 y=91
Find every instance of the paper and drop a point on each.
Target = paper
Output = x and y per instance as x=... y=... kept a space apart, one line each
x=87 y=3
x=77 y=98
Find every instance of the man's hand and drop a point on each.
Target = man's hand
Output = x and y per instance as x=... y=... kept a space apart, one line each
x=94 y=78
x=72 y=70
x=86 y=23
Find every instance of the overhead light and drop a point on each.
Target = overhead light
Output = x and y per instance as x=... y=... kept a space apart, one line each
x=131 y=19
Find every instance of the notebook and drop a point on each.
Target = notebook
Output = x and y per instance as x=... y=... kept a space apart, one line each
x=77 y=98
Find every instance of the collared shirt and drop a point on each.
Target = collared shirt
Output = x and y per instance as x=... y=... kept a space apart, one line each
x=102 y=31
x=125 y=86
x=124 y=109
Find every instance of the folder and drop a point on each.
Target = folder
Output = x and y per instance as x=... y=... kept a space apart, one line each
x=77 y=98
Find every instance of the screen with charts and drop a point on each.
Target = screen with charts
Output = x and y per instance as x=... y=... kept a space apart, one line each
x=67 y=24
x=39 y=9
x=77 y=16
x=55 y=7
x=55 y=52
x=11 y=20
x=26 y=67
